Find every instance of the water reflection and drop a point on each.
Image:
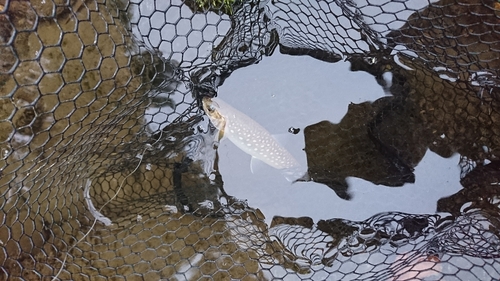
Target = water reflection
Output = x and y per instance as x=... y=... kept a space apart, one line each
x=353 y=148
x=391 y=246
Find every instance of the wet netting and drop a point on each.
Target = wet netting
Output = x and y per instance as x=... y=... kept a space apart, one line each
x=109 y=164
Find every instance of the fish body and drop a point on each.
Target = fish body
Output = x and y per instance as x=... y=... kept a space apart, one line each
x=248 y=135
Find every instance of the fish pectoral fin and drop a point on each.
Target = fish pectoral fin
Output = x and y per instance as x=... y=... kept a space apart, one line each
x=221 y=130
x=221 y=135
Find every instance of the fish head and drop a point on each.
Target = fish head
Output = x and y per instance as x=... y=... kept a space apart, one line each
x=212 y=108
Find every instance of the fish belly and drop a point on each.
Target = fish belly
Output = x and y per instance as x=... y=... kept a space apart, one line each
x=261 y=145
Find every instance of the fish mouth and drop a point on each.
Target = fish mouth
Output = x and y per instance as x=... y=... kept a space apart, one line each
x=216 y=118
x=202 y=99
x=207 y=105
x=210 y=106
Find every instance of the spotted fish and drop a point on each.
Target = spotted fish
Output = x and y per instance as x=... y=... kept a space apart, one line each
x=248 y=135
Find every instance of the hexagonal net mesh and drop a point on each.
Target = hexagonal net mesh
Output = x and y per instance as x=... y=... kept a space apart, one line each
x=108 y=169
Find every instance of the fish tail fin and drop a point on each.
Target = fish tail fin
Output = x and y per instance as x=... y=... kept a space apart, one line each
x=295 y=174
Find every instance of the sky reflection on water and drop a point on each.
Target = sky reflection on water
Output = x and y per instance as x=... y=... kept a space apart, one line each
x=282 y=92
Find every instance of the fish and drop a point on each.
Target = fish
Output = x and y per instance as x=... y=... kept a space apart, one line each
x=249 y=136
